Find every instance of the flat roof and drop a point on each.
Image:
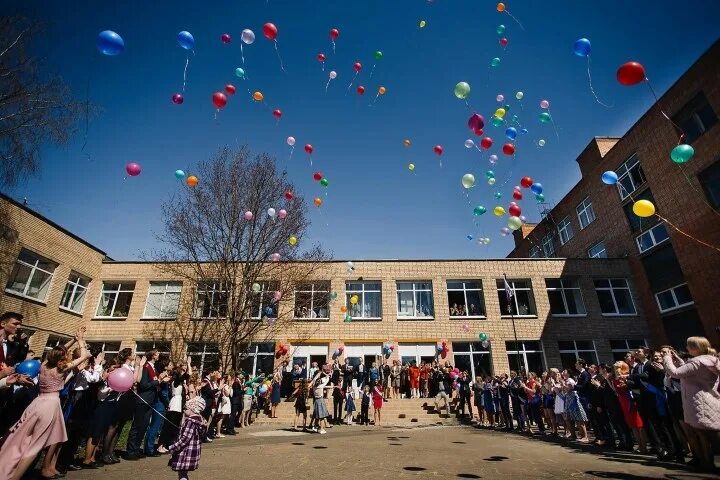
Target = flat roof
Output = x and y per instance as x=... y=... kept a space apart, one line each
x=425 y=260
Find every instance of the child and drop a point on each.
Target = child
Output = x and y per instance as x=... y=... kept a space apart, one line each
x=301 y=407
x=186 y=449
x=365 y=406
x=349 y=405
x=377 y=404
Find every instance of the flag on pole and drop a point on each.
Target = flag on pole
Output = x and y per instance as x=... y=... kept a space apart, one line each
x=509 y=293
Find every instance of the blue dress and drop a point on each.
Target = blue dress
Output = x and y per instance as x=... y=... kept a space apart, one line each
x=488 y=400
x=349 y=404
x=275 y=397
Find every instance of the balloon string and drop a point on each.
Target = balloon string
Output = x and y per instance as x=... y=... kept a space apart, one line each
x=328 y=84
x=516 y=20
x=372 y=70
x=151 y=407
x=292 y=149
x=187 y=62
x=242 y=55
x=333 y=45
x=282 y=67
x=323 y=66
x=552 y=120
x=351 y=82
x=682 y=133
x=592 y=90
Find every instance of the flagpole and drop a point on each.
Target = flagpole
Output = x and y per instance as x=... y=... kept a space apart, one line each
x=512 y=319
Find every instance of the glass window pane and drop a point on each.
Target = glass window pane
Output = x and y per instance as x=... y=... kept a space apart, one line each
x=455 y=285
x=584 y=345
x=475 y=303
x=482 y=364
x=568 y=360
x=266 y=347
x=462 y=362
x=425 y=304
x=371 y=305
x=557 y=306
x=456 y=302
x=67 y=295
x=154 y=302
x=78 y=300
x=660 y=233
x=302 y=304
x=171 y=304
x=624 y=302
x=404 y=285
x=602 y=283
x=122 y=307
x=535 y=362
x=406 y=304
x=566 y=345
x=461 y=346
x=105 y=305
x=39 y=285
x=682 y=293
x=525 y=302
x=574 y=300
x=19 y=278
x=665 y=300
x=606 y=301
x=645 y=241
x=618 y=283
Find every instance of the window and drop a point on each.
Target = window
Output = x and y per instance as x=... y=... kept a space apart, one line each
x=305 y=355
x=597 y=251
x=674 y=298
x=115 y=300
x=204 y=357
x=262 y=301
x=54 y=341
x=369 y=305
x=695 y=118
x=163 y=300
x=535 y=252
x=527 y=356
x=31 y=276
x=565 y=231
x=418 y=353
x=111 y=350
x=614 y=296
x=74 y=295
x=548 y=246
x=465 y=298
x=312 y=300
x=144 y=346
x=571 y=350
x=415 y=299
x=585 y=213
x=565 y=297
x=471 y=357
x=259 y=358
x=630 y=176
x=211 y=300
x=620 y=347
x=647 y=240
x=638 y=224
x=710 y=181
x=522 y=302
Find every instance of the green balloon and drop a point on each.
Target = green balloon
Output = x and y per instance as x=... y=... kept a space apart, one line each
x=500 y=29
x=378 y=55
x=682 y=153
x=462 y=90
x=497 y=122
x=539 y=198
x=324 y=182
x=498 y=195
x=507 y=108
x=482 y=336
x=544 y=117
x=495 y=62
x=490 y=174
x=348 y=318
x=479 y=210
x=514 y=223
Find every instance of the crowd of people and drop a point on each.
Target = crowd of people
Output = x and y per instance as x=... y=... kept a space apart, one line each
x=658 y=402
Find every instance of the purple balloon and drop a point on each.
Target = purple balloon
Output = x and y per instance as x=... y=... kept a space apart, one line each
x=476 y=122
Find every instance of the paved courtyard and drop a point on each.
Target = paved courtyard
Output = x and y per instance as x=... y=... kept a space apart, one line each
x=359 y=452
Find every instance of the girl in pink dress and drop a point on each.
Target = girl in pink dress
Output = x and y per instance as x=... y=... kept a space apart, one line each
x=42 y=424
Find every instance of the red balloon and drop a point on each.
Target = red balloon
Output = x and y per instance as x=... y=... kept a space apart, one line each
x=630 y=73
x=486 y=143
x=277 y=113
x=308 y=149
x=225 y=38
x=503 y=42
x=178 y=99
x=270 y=31
x=478 y=132
x=360 y=90
x=517 y=194
x=230 y=89
x=317 y=176
x=334 y=34
x=509 y=149
x=289 y=195
x=514 y=211
x=526 y=182
x=357 y=67
x=321 y=57
x=219 y=99
x=476 y=121
x=438 y=149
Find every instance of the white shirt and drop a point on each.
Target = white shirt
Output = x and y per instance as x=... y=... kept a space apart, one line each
x=320 y=388
x=86 y=377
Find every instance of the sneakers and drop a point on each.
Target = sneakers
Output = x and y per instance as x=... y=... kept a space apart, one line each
x=322 y=431
x=220 y=435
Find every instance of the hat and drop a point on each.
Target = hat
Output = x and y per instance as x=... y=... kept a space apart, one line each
x=195 y=405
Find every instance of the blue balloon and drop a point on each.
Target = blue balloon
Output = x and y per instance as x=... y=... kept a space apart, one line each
x=240 y=72
x=511 y=133
x=582 y=47
x=440 y=348
x=109 y=43
x=179 y=174
x=29 y=367
x=536 y=188
x=609 y=177
x=469 y=237
x=186 y=40
x=263 y=389
x=269 y=311
x=524 y=131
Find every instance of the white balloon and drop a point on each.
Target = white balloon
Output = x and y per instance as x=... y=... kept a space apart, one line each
x=247 y=36
x=333 y=74
x=271 y=212
x=291 y=141
x=469 y=143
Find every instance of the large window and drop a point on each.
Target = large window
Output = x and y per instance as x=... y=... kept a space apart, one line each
x=585 y=213
x=163 y=300
x=424 y=352
x=695 y=118
x=204 y=357
x=111 y=349
x=527 y=356
x=259 y=358
x=144 y=346
x=630 y=176
x=211 y=300
x=262 y=301
x=471 y=357
x=369 y=304
x=565 y=297
x=548 y=246
x=614 y=296
x=565 y=230
x=31 y=276
x=312 y=300
x=465 y=298
x=710 y=181
x=571 y=350
x=598 y=251
x=74 y=295
x=115 y=300
x=674 y=298
x=522 y=301
x=415 y=299
x=654 y=236
x=621 y=347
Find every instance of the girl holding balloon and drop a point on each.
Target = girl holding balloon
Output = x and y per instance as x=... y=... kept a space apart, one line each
x=121 y=378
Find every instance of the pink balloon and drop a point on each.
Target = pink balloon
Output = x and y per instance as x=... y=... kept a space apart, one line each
x=133 y=169
x=277 y=296
x=282 y=213
x=121 y=380
x=500 y=98
x=275 y=257
x=248 y=215
x=544 y=104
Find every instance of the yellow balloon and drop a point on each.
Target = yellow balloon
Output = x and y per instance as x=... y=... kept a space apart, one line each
x=500 y=112
x=381 y=90
x=422 y=23
x=411 y=166
x=258 y=96
x=354 y=299
x=406 y=142
x=292 y=240
x=499 y=211
x=643 y=208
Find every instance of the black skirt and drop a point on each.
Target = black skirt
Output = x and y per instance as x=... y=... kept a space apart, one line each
x=125 y=409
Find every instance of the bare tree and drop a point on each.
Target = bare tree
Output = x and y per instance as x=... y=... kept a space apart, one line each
x=34 y=108
x=243 y=293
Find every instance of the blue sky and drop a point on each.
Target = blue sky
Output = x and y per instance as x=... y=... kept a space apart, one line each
x=374 y=208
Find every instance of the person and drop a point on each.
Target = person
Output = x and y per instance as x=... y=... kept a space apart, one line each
x=487 y=401
x=14 y=342
x=297 y=371
x=123 y=411
x=337 y=395
x=286 y=382
x=360 y=374
x=700 y=397
x=350 y=405
x=404 y=381
x=424 y=377
x=301 y=407
x=503 y=388
x=101 y=417
x=463 y=386
x=414 y=377
x=611 y=407
x=41 y=424
x=477 y=389
x=174 y=413
x=674 y=400
x=159 y=408
x=275 y=396
x=374 y=374
x=574 y=409
x=210 y=392
x=377 y=404
x=313 y=370
x=224 y=407
x=320 y=412
x=365 y=406
x=395 y=378
x=518 y=399
x=443 y=387
x=187 y=448
x=627 y=405
x=236 y=404
x=548 y=398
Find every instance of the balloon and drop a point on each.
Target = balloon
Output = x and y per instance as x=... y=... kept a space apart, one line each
x=468 y=180
x=497 y=121
x=526 y=182
x=422 y=24
x=411 y=166
x=492 y=159
x=258 y=96
x=540 y=198
x=109 y=43
x=483 y=336
x=178 y=99
x=541 y=143
x=500 y=7
x=317 y=176
x=490 y=174
x=511 y=133
x=263 y=389
x=239 y=72
x=248 y=215
x=609 y=177
x=277 y=113
x=486 y=143
x=509 y=149
x=504 y=231
x=348 y=318
x=479 y=210
x=514 y=211
x=334 y=34
x=536 y=188
x=406 y=143
x=186 y=40
x=230 y=89
x=544 y=104
x=476 y=122
x=324 y=182
x=485 y=344
x=275 y=257
x=29 y=367
x=317 y=201
x=308 y=149
x=270 y=31
x=179 y=174
x=469 y=143
x=225 y=38
x=291 y=142
x=500 y=29
x=333 y=295
x=523 y=219
x=500 y=98
x=462 y=90
x=343 y=309
x=499 y=211
x=495 y=62
x=630 y=73
x=360 y=90
x=582 y=47
x=682 y=153
x=519 y=95
x=282 y=214
x=121 y=380
x=321 y=57
x=289 y=195
x=503 y=42
x=524 y=131
x=478 y=132
x=544 y=117
x=350 y=266
x=292 y=240
x=133 y=169
x=191 y=181
x=256 y=287
x=469 y=237
x=517 y=195
x=357 y=66
x=219 y=99
x=382 y=90
x=440 y=348
x=247 y=36
x=643 y=208
x=332 y=74
x=500 y=112
x=378 y=55
x=354 y=299
x=438 y=149
x=271 y=212
x=491 y=181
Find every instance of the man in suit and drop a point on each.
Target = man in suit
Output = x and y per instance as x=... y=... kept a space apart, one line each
x=14 y=343
x=236 y=404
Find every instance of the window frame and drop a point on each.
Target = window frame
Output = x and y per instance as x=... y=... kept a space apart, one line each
x=75 y=286
x=524 y=351
x=361 y=298
x=155 y=343
x=165 y=284
x=548 y=246
x=534 y=252
x=577 y=351
x=584 y=211
x=641 y=343
x=415 y=292
x=565 y=227
x=564 y=298
x=651 y=232
x=218 y=288
x=511 y=282
x=612 y=289
x=33 y=268
x=464 y=290
x=254 y=352
x=313 y=290
x=200 y=367
x=266 y=299
x=60 y=340
x=117 y=293
x=109 y=354
x=628 y=173
x=674 y=297
x=597 y=255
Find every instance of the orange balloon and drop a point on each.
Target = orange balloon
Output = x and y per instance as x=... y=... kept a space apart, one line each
x=381 y=90
x=192 y=180
x=258 y=96
x=406 y=142
x=343 y=309
x=317 y=201
x=500 y=7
